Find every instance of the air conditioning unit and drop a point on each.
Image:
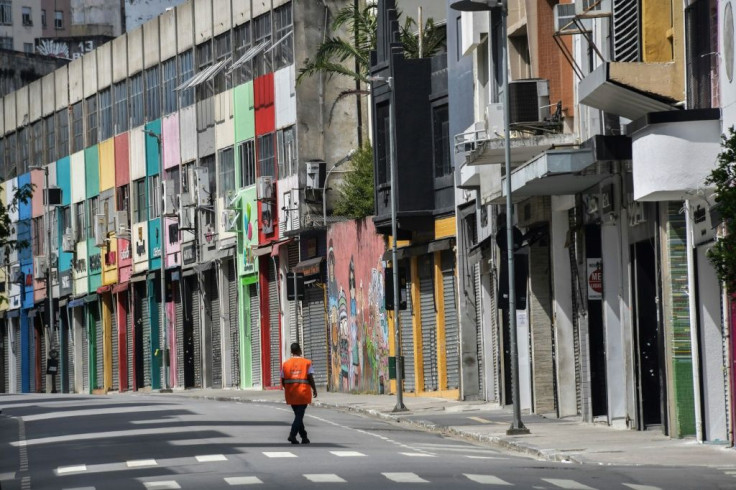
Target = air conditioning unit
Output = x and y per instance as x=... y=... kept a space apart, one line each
x=593 y=8
x=202 y=186
x=528 y=101
x=494 y=120
x=703 y=228
x=68 y=240
x=121 y=223
x=169 y=198
x=230 y=220
x=264 y=188
x=315 y=174
x=232 y=199
x=40 y=266
x=16 y=276
x=186 y=218
x=100 y=230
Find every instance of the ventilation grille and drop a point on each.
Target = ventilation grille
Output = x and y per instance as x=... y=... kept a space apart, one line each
x=626 y=32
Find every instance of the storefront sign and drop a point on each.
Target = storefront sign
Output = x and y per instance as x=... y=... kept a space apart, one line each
x=595 y=279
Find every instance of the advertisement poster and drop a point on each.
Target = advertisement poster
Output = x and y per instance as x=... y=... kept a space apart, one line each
x=594 y=278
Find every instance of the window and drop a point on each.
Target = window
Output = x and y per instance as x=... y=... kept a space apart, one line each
x=136 y=100
x=79 y=224
x=106 y=128
x=209 y=163
x=26 y=16
x=24 y=150
x=223 y=50
x=261 y=33
x=247 y=155
x=62 y=123
x=153 y=93
x=169 y=74
x=51 y=138
x=43 y=18
x=242 y=35
x=10 y=157
x=58 y=19
x=77 y=127
x=6 y=42
x=39 y=146
x=154 y=193
x=186 y=72
x=185 y=169
x=265 y=155
x=204 y=60
x=92 y=120
x=122 y=197
x=172 y=178
x=227 y=171
x=383 y=146
x=6 y=13
x=66 y=219
x=141 y=210
x=441 y=141
x=28 y=48
x=94 y=209
x=120 y=96
x=37 y=236
x=287 y=151
x=283 y=51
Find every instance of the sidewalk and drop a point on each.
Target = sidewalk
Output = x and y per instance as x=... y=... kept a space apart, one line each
x=566 y=440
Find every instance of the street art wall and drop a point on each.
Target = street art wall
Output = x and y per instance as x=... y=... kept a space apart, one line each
x=359 y=345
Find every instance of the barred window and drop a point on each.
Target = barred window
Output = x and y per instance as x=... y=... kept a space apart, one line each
x=266 y=155
x=186 y=72
x=247 y=157
x=209 y=163
x=441 y=141
x=223 y=50
x=93 y=208
x=169 y=75
x=154 y=196
x=10 y=155
x=39 y=146
x=227 y=171
x=287 y=151
x=24 y=150
x=141 y=208
x=37 y=240
x=51 y=138
x=242 y=35
x=106 y=128
x=136 y=100
x=120 y=93
x=62 y=124
x=6 y=13
x=204 y=61
x=283 y=50
x=153 y=93
x=262 y=32
x=79 y=224
x=91 y=103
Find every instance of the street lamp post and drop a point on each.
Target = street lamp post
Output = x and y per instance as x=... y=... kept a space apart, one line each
x=517 y=426
x=162 y=305
x=400 y=407
x=49 y=292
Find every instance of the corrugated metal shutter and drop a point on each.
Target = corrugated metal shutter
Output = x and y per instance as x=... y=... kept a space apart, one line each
x=452 y=329
x=232 y=293
x=429 y=322
x=115 y=351
x=293 y=330
x=576 y=308
x=129 y=338
x=255 y=333
x=146 y=318
x=18 y=357
x=192 y=289
x=177 y=292
x=81 y=314
x=5 y=344
x=43 y=353
x=478 y=295
x=315 y=333
x=216 y=327
x=274 y=329
x=97 y=318
x=72 y=361
x=406 y=318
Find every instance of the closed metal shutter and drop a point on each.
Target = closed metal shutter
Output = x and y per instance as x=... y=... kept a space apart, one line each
x=115 y=351
x=146 y=318
x=215 y=326
x=479 y=335
x=5 y=346
x=232 y=293
x=43 y=353
x=255 y=333
x=81 y=317
x=18 y=357
x=293 y=323
x=406 y=318
x=452 y=329
x=129 y=338
x=577 y=307
x=274 y=329
x=70 y=339
x=429 y=322
x=315 y=333
x=99 y=338
x=192 y=289
x=179 y=326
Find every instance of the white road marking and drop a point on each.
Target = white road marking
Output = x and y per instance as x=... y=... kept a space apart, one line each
x=347 y=454
x=324 y=478
x=242 y=480
x=161 y=484
x=7 y=476
x=484 y=457
x=419 y=455
x=138 y=463
x=405 y=477
x=80 y=488
x=283 y=454
x=487 y=479
x=211 y=457
x=481 y=420
x=96 y=411
x=569 y=484
x=107 y=435
x=65 y=470
x=641 y=487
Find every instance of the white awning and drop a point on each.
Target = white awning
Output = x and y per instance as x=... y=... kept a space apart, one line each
x=249 y=55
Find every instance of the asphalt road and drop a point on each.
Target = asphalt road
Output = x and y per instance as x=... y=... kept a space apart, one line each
x=142 y=441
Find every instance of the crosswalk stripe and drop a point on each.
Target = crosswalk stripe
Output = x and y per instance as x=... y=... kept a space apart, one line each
x=405 y=477
x=634 y=486
x=324 y=478
x=80 y=488
x=138 y=463
x=569 y=484
x=481 y=420
x=484 y=457
x=281 y=454
x=211 y=457
x=63 y=470
x=487 y=479
x=347 y=454
x=242 y=480
x=161 y=484
x=418 y=455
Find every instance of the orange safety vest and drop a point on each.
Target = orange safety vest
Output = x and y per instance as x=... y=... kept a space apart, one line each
x=296 y=382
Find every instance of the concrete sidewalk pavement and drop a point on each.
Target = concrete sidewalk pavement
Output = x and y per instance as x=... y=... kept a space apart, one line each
x=566 y=440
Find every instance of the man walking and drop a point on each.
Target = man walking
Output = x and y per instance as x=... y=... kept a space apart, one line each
x=296 y=379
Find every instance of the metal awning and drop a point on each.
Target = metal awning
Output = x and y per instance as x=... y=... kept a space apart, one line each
x=309 y=266
x=90 y=298
x=249 y=55
x=204 y=75
x=103 y=289
x=138 y=277
x=203 y=267
x=277 y=246
x=13 y=313
x=420 y=249
x=75 y=302
x=261 y=251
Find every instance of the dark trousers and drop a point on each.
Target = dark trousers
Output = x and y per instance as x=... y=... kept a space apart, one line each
x=298 y=424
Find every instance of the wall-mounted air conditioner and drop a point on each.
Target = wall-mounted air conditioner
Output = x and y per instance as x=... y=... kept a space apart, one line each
x=40 y=265
x=528 y=101
x=593 y=8
x=169 y=198
x=100 y=230
x=264 y=188
x=121 y=223
x=230 y=220
x=494 y=120
x=315 y=175
x=231 y=199
x=202 y=186
x=68 y=240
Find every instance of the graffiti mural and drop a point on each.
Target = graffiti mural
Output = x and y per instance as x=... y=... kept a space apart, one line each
x=359 y=345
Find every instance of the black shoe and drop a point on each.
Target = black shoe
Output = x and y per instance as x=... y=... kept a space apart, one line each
x=292 y=440
x=305 y=440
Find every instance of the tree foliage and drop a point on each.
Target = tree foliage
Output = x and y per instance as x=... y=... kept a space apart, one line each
x=7 y=227
x=356 y=199
x=723 y=254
